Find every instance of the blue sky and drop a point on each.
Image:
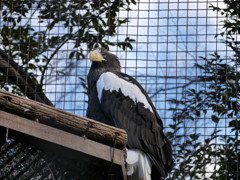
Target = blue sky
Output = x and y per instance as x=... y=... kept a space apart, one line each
x=169 y=38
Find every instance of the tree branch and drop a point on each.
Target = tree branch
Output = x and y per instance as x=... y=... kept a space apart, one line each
x=198 y=79
x=22 y=79
x=53 y=54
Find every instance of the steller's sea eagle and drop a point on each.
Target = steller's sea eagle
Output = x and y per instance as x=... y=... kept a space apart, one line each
x=119 y=100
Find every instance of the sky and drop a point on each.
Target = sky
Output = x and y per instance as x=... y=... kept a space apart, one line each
x=170 y=36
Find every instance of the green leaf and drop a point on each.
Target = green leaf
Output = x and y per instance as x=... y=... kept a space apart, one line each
x=205 y=111
x=235 y=124
x=19 y=19
x=4 y=13
x=197 y=112
x=215 y=119
x=71 y=55
x=194 y=137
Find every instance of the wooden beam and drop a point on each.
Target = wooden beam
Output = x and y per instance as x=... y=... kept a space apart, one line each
x=62 y=138
x=62 y=120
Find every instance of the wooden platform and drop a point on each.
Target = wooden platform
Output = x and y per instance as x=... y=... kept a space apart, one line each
x=56 y=130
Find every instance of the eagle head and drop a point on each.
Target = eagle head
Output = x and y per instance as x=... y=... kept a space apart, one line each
x=101 y=58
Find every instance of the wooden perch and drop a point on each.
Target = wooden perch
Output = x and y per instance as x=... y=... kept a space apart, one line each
x=60 y=119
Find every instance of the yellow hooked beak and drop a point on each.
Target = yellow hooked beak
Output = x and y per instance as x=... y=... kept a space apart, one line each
x=96 y=56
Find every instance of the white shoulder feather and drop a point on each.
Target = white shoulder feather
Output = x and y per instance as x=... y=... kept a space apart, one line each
x=110 y=81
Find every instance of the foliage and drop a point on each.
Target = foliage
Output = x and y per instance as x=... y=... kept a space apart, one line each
x=211 y=152
x=33 y=32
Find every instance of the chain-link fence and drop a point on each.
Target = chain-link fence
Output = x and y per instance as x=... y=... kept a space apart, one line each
x=184 y=53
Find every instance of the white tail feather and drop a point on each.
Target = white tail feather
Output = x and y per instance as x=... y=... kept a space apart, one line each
x=138 y=165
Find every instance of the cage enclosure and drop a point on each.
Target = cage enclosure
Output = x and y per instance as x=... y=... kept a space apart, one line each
x=185 y=54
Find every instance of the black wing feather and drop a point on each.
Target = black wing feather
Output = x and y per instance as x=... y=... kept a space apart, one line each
x=144 y=128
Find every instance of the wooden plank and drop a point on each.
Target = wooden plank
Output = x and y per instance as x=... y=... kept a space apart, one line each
x=62 y=138
x=62 y=120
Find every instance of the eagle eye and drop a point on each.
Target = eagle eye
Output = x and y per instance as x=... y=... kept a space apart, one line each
x=103 y=55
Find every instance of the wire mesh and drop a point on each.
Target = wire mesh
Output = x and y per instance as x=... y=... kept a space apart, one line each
x=174 y=54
